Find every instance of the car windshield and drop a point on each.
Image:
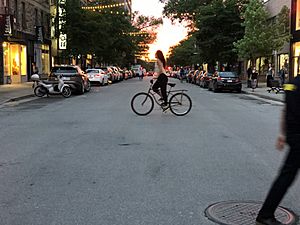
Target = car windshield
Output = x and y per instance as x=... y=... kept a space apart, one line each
x=94 y=71
x=64 y=70
x=227 y=74
x=104 y=69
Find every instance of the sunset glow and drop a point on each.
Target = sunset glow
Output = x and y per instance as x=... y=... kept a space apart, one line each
x=168 y=34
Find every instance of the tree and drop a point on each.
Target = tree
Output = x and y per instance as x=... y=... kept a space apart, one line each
x=185 y=53
x=112 y=38
x=219 y=25
x=262 y=35
x=183 y=9
x=216 y=25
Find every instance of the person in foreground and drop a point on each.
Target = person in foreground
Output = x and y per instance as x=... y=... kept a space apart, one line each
x=290 y=134
x=162 y=79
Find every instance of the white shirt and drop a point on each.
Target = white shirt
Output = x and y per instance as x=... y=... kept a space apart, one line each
x=159 y=68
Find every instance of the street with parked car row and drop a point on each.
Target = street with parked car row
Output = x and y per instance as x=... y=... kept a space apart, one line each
x=89 y=159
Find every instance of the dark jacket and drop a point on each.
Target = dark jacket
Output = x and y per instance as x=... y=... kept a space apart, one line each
x=292 y=114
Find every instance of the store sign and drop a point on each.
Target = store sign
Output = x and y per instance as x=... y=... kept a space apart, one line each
x=39 y=32
x=6 y=25
x=62 y=40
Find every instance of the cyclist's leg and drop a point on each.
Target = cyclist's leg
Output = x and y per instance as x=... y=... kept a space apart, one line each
x=163 y=88
x=157 y=85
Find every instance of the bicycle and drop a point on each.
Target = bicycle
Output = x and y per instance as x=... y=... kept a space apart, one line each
x=179 y=104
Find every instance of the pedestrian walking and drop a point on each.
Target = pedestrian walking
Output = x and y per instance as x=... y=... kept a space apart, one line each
x=162 y=79
x=254 y=76
x=270 y=76
x=181 y=74
x=290 y=134
x=282 y=73
x=249 y=73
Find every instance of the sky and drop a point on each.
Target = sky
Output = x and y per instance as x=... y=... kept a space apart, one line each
x=168 y=34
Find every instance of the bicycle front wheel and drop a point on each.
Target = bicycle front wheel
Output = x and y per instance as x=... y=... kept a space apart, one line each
x=180 y=104
x=142 y=104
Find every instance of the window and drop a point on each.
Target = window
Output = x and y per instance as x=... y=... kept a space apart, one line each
x=16 y=11
x=23 y=16
x=36 y=16
x=42 y=18
x=298 y=15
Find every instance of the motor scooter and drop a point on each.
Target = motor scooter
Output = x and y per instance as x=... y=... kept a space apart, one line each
x=46 y=89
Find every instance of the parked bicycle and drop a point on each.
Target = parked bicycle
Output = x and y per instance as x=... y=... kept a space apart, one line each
x=179 y=102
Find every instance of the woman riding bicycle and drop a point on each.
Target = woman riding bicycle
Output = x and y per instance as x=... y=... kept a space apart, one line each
x=162 y=79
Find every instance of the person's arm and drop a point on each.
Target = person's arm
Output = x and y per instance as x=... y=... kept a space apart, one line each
x=281 y=139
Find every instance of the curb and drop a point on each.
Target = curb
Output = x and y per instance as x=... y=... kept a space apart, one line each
x=14 y=99
x=263 y=96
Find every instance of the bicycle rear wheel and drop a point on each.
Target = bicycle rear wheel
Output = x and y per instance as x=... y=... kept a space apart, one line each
x=142 y=104
x=180 y=104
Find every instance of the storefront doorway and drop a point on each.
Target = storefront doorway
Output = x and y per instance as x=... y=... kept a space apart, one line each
x=15 y=63
x=296 y=59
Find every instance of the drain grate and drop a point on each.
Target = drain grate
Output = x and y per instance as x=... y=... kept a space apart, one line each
x=244 y=213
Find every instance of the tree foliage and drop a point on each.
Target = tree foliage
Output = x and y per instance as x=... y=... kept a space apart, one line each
x=216 y=25
x=219 y=25
x=109 y=37
x=262 y=34
x=185 y=53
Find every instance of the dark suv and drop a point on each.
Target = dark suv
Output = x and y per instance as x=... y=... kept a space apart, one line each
x=73 y=76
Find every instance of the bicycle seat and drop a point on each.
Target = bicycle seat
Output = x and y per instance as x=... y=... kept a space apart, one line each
x=171 y=84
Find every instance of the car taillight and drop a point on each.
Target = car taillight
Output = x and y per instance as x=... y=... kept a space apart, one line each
x=219 y=78
x=97 y=75
x=237 y=80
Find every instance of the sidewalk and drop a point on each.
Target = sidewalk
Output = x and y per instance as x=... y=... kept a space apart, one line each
x=262 y=92
x=14 y=92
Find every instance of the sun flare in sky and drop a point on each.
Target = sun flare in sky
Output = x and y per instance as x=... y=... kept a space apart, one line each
x=168 y=34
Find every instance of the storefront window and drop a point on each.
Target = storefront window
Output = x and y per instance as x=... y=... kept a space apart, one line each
x=6 y=57
x=15 y=59
x=296 y=58
x=45 y=59
x=283 y=61
x=298 y=15
x=15 y=63
x=23 y=60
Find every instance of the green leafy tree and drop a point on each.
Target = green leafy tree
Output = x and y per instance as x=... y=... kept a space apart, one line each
x=262 y=35
x=185 y=53
x=216 y=25
x=219 y=25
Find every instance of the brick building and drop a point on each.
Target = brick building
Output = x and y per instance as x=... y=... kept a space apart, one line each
x=24 y=39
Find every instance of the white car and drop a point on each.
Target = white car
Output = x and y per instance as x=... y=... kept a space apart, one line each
x=98 y=76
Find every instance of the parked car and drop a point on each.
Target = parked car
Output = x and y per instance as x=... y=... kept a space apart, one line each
x=98 y=76
x=189 y=76
x=137 y=70
x=150 y=73
x=205 y=79
x=198 y=78
x=195 y=74
x=73 y=76
x=225 y=81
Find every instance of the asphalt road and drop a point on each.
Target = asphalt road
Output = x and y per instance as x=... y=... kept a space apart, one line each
x=89 y=160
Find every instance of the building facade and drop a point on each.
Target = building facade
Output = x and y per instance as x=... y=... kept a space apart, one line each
x=281 y=58
x=295 y=43
x=25 y=39
x=277 y=59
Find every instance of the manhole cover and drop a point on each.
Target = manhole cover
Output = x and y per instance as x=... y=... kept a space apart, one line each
x=244 y=213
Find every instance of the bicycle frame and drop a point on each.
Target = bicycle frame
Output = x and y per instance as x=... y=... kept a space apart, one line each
x=169 y=92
